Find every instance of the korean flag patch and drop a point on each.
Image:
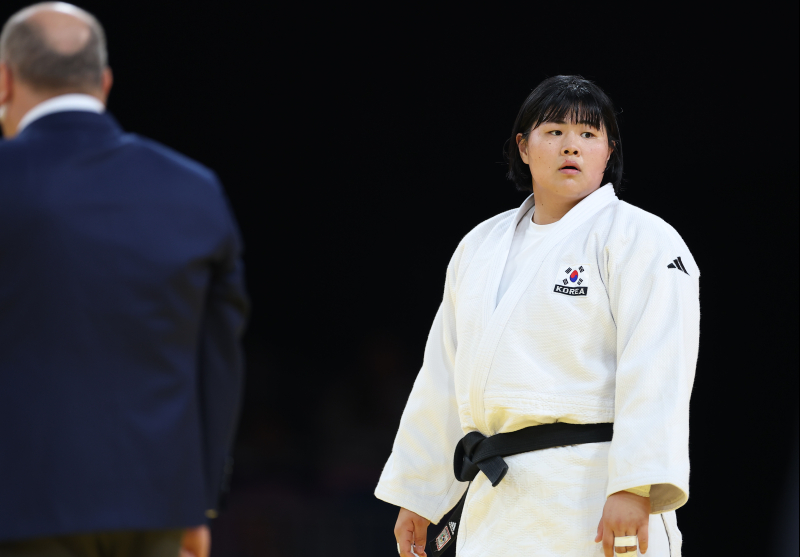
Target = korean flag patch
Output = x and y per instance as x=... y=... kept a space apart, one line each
x=572 y=280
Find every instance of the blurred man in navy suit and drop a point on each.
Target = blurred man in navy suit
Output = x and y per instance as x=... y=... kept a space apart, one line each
x=121 y=312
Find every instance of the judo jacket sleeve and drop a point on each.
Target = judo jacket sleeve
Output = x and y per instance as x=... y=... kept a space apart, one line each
x=419 y=473
x=221 y=360
x=653 y=287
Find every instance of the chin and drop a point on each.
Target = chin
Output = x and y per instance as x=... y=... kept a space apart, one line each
x=571 y=188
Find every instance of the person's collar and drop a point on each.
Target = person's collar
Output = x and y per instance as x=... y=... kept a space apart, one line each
x=61 y=103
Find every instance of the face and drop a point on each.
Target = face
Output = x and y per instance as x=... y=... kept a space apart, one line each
x=566 y=159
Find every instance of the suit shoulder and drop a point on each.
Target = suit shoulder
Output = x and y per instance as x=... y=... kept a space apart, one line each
x=171 y=158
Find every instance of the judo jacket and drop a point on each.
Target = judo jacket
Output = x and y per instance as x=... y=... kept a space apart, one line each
x=602 y=325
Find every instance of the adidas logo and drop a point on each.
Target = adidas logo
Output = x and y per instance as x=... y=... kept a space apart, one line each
x=678 y=264
x=453 y=527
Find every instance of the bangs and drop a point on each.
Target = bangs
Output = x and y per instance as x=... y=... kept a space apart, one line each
x=577 y=106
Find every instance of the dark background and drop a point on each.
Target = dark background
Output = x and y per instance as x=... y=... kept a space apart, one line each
x=359 y=144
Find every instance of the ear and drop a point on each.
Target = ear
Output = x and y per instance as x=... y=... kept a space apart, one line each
x=610 y=151
x=108 y=81
x=5 y=83
x=522 y=145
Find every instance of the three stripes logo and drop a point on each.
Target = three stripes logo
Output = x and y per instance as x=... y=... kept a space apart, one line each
x=677 y=264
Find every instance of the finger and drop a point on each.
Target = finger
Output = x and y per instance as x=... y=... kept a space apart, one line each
x=405 y=539
x=599 y=535
x=608 y=542
x=407 y=552
x=406 y=549
x=420 y=537
x=404 y=534
x=621 y=550
x=630 y=550
x=205 y=539
x=644 y=536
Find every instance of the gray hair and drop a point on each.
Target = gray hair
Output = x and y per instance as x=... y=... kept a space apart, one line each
x=25 y=47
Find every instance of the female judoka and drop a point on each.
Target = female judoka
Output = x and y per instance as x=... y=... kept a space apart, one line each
x=575 y=308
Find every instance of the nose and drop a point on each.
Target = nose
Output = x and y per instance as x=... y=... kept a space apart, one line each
x=570 y=146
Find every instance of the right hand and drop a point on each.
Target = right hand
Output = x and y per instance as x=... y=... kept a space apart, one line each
x=196 y=542
x=411 y=528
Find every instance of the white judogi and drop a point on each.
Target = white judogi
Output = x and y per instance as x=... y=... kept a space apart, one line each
x=601 y=325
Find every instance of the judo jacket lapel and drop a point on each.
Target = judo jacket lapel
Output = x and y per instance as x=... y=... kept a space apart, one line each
x=495 y=317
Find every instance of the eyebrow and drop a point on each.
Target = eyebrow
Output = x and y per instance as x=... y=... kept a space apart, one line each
x=562 y=122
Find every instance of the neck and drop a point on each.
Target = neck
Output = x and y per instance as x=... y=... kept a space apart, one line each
x=550 y=208
x=24 y=102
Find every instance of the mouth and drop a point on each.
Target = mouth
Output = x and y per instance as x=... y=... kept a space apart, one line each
x=569 y=167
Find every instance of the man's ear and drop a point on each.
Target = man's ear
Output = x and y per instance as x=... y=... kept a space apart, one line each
x=522 y=145
x=108 y=81
x=5 y=83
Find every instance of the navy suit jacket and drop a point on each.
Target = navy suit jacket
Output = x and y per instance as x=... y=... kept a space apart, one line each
x=122 y=306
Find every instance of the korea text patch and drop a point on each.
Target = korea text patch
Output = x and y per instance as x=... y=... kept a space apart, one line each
x=572 y=280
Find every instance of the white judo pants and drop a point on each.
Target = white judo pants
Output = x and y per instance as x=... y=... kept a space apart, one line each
x=549 y=505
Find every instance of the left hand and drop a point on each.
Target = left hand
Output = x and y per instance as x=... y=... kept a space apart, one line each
x=624 y=514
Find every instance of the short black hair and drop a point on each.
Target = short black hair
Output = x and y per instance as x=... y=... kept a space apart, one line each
x=559 y=99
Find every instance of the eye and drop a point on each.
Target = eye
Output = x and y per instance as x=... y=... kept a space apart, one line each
x=555 y=132
x=587 y=135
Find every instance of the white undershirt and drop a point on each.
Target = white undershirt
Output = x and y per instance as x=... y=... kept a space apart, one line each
x=527 y=238
x=61 y=103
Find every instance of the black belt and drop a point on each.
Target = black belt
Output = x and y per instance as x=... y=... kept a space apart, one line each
x=478 y=453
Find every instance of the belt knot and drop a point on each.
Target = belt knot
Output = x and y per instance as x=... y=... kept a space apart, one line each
x=469 y=460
